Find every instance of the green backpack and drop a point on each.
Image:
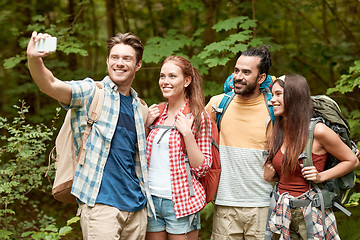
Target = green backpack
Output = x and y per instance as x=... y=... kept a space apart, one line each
x=335 y=192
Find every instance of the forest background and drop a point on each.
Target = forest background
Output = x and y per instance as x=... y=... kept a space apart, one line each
x=318 y=39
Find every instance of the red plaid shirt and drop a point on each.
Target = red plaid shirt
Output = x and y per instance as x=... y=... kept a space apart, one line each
x=185 y=205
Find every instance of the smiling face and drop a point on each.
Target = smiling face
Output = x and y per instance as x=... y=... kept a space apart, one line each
x=172 y=81
x=277 y=100
x=247 y=78
x=121 y=65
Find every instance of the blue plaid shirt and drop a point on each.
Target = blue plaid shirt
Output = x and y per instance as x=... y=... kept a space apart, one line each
x=88 y=177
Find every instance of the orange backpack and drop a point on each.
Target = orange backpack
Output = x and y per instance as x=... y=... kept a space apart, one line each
x=210 y=181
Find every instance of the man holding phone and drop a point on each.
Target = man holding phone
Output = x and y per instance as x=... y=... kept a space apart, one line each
x=111 y=186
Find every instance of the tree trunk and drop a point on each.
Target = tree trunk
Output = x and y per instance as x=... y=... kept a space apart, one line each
x=110 y=18
x=212 y=6
x=72 y=57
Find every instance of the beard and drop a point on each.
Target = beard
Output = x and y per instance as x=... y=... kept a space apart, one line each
x=248 y=89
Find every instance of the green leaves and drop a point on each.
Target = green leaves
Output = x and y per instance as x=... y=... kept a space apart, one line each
x=5 y=234
x=234 y=23
x=157 y=48
x=72 y=220
x=348 y=82
x=22 y=165
x=221 y=52
x=13 y=61
x=51 y=232
x=67 y=41
x=210 y=56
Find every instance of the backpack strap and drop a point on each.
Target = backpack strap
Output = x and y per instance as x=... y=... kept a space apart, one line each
x=267 y=96
x=187 y=163
x=274 y=197
x=144 y=109
x=307 y=153
x=93 y=116
x=273 y=200
x=188 y=174
x=307 y=161
x=167 y=128
x=187 y=112
x=225 y=101
x=220 y=110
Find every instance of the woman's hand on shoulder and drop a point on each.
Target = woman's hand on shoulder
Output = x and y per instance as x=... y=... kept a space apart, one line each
x=184 y=124
x=154 y=112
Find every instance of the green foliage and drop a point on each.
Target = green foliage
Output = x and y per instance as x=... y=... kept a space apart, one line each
x=238 y=37
x=348 y=227
x=354 y=122
x=21 y=173
x=51 y=232
x=348 y=82
x=157 y=48
x=221 y=52
x=20 y=169
x=318 y=39
x=5 y=234
x=213 y=88
x=13 y=61
x=190 y=4
x=216 y=53
x=206 y=221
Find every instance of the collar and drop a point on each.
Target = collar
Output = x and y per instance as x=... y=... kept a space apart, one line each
x=114 y=87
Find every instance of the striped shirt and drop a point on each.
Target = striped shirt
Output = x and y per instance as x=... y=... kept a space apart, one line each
x=88 y=177
x=243 y=140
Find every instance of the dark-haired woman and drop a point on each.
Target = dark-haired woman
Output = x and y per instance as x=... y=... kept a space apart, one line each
x=177 y=213
x=293 y=110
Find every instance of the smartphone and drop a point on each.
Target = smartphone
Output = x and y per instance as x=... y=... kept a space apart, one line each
x=46 y=45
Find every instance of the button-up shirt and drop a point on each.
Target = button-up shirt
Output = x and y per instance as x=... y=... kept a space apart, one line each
x=184 y=204
x=88 y=176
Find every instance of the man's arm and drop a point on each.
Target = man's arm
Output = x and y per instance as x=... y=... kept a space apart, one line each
x=42 y=76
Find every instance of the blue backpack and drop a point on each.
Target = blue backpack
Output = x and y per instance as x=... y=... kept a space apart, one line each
x=265 y=88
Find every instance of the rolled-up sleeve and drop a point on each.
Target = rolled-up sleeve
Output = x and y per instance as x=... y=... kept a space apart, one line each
x=203 y=140
x=82 y=91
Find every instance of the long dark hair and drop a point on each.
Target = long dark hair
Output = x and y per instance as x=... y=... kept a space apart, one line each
x=194 y=90
x=293 y=127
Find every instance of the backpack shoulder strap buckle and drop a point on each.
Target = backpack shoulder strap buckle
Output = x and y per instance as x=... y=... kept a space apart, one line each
x=216 y=109
x=90 y=122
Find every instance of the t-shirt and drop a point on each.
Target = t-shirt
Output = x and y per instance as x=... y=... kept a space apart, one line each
x=243 y=139
x=119 y=186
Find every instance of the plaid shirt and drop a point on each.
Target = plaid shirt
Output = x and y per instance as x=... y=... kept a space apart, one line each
x=88 y=177
x=280 y=219
x=185 y=205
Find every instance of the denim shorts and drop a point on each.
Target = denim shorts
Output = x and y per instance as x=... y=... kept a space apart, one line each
x=166 y=219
